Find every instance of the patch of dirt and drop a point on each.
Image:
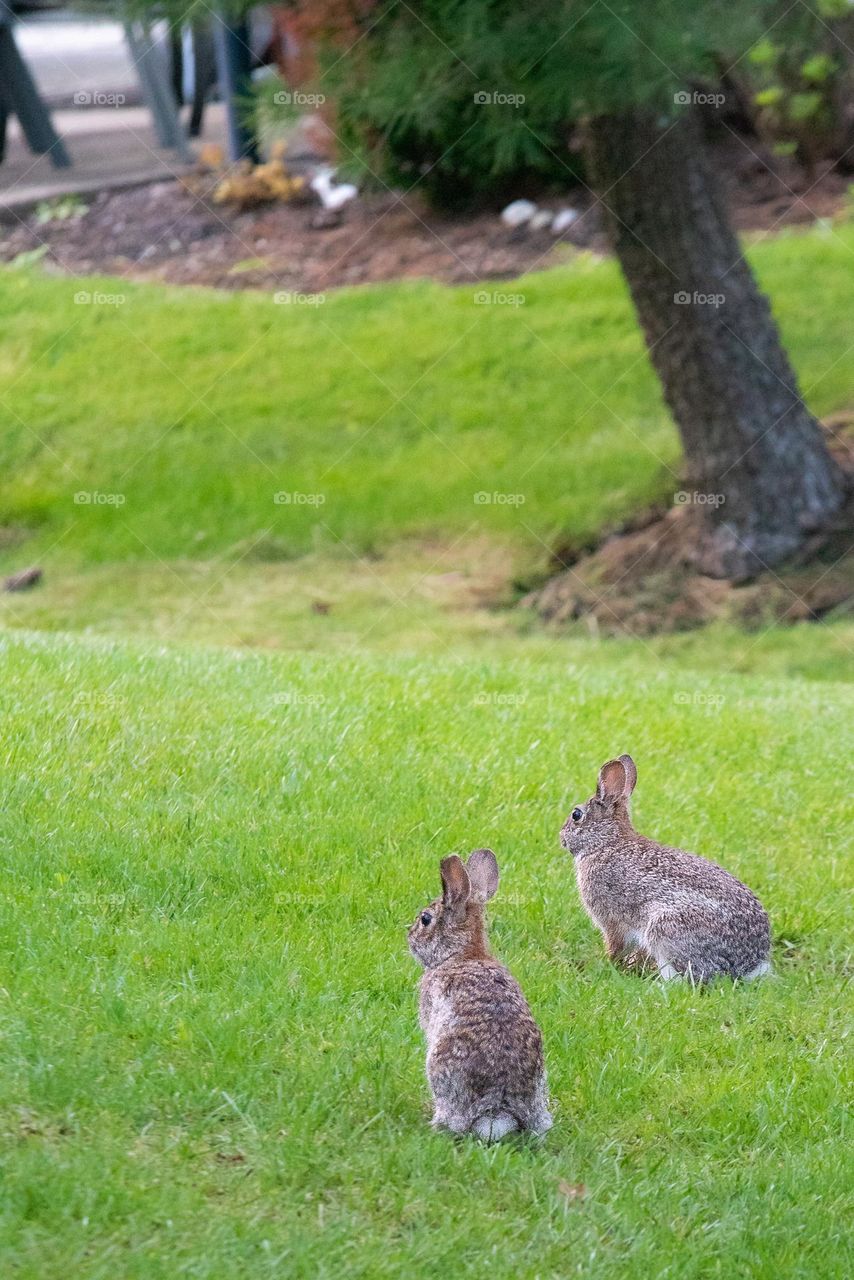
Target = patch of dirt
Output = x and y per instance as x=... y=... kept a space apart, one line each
x=12 y=535
x=174 y=232
x=640 y=580
x=23 y=580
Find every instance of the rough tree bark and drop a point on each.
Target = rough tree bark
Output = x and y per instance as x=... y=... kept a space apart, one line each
x=750 y=443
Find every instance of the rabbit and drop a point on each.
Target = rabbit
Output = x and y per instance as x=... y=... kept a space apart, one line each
x=484 y=1049
x=688 y=915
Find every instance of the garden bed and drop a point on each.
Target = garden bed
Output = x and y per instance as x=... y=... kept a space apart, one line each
x=173 y=231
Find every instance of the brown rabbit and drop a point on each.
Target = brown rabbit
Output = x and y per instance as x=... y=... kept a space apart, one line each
x=484 y=1049
x=691 y=917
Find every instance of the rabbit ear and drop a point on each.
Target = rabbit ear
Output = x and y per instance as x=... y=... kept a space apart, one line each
x=631 y=774
x=482 y=867
x=612 y=781
x=456 y=886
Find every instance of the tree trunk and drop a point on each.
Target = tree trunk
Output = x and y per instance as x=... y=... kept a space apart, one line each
x=758 y=470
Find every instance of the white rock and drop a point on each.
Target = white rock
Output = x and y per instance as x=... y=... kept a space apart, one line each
x=542 y=218
x=332 y=196
x=340 y=195
x=518 y=213
x=563 y=219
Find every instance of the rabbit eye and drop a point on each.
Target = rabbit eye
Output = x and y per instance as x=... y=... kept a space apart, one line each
x=577 y=814
x=426 y=918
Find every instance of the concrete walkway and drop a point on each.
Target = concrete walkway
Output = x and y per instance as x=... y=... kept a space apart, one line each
x=110 y=147
x=86 y=77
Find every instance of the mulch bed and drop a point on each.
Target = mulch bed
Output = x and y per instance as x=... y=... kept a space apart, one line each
x=640 y=578
x=172 y=231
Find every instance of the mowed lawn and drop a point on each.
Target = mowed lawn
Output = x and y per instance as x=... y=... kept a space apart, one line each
x=377 y=414
x=210 y=1063
x=147 y=433
x=210 y=1059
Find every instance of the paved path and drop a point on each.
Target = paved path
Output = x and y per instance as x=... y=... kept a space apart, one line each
x=85 y=75
x=109 y=147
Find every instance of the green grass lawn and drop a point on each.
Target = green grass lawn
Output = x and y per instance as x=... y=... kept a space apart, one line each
x=390 y=408
x=211 y=1063
x=394 y=405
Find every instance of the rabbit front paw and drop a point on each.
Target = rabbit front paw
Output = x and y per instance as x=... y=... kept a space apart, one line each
x=639 y=961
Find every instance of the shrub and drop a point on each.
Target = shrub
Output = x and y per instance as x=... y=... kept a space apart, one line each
x=465 y=114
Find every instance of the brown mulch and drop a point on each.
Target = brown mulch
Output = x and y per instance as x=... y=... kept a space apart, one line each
x=23 y=580
x=640 y=579
x=174 y=232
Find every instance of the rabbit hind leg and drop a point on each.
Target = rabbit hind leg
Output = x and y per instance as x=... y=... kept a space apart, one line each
x=445 y=1117
x=672 y=942
x=540 y=1120
x=535 y=1114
